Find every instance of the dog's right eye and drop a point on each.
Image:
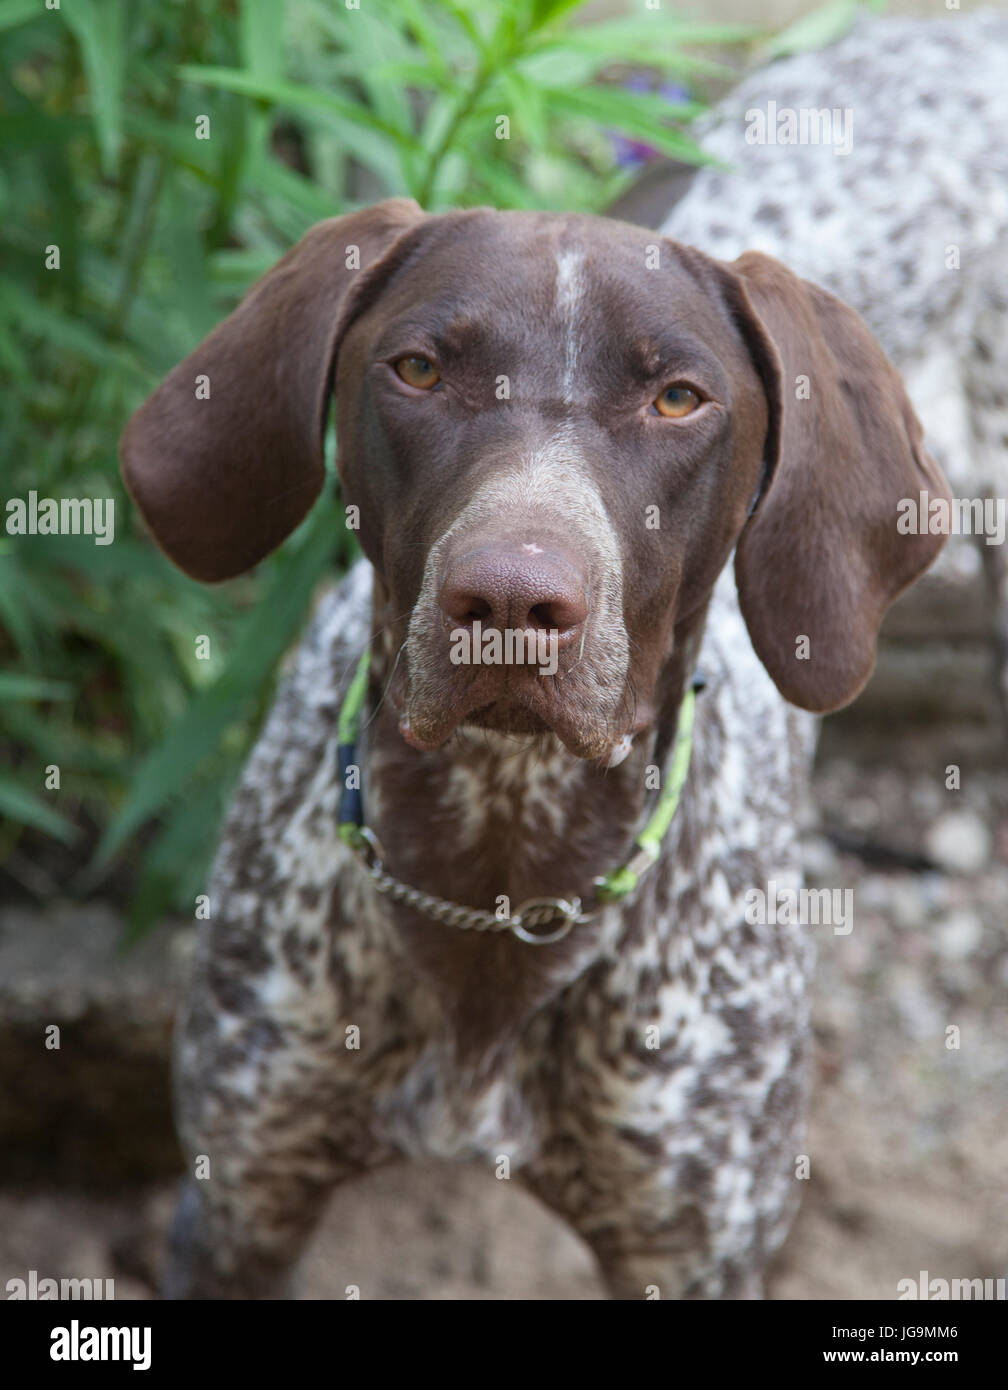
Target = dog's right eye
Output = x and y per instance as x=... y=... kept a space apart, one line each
x=677 y=401
x=417 y=371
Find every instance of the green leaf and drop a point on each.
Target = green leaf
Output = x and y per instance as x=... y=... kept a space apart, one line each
x=427 y=36
x=14 y=590
x=75 y=335
x=526 y=101
x=265 y=634
x=100 y=33
x=22 y=806
x=14 y=685
x=298 y=98
x=173 y=140
x=467 y=23
x=262 y=51
x=12 y=355
x=262 y=36
x=277 y=181
x=29 y=129
x=665 y=44
x=421 y=75
x=502 y=187
x=641 y=114
x=546 y=11
x=667 y=31
x=823 y=26
x=14 y=12
x=558 y=64
x=175 y=865
x=391 y=101
x=38 y=319
x=59 y=742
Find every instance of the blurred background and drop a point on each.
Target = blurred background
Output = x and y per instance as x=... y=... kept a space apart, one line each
x=314 y=108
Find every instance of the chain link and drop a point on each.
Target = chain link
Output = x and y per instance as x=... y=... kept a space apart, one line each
x=536 y=912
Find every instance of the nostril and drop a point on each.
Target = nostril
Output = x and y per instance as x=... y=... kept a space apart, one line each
x=464 y=606
x=558 y=615
x=547 y=616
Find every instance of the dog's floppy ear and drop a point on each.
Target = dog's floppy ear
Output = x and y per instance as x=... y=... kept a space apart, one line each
x=821 y=557
x=225 y=458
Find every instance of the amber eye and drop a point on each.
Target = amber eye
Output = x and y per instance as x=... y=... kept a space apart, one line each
x=418 y=372
x=676 y=401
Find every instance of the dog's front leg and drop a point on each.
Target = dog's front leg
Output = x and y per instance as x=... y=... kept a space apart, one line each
x=672 y=1136
x=688 y=1214
x=272 y=1114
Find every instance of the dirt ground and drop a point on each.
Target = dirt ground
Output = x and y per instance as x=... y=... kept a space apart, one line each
x=908 y=1136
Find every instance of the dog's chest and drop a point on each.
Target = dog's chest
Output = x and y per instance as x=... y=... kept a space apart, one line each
x=432 y=1095
x=440 y=1110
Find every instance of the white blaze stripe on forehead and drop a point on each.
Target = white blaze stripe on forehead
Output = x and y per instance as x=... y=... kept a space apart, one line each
x=570 y=286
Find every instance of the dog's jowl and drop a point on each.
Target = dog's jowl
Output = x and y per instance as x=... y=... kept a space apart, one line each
x=486 y=908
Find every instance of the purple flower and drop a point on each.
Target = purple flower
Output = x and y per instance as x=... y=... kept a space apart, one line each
x=631 y=153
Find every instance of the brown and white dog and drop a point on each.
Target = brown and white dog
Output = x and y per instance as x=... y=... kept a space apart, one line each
x=564 y=426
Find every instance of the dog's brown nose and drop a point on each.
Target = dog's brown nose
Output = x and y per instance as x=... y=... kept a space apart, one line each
x=522 y=586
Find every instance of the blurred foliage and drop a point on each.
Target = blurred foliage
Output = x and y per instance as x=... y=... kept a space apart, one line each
x=819 y=27
x=313 y=108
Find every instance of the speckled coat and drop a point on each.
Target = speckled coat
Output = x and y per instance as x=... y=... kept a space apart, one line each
x=675 y=1161
x=645 y=1076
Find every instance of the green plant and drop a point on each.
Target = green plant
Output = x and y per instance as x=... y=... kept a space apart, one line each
x=313 y=108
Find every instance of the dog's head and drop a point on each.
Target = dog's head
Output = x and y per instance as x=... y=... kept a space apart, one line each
x=556 y=429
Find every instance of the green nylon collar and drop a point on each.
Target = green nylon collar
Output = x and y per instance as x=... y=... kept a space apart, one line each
x=610 y=887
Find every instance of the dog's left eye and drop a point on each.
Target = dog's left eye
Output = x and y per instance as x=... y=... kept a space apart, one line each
x=676 y=401
x=417 y=371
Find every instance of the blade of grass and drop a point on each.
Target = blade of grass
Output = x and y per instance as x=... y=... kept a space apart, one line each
x=175 y=864
x=100 y=33
x=297 y=97
x=641 y=114
x=265 y=634
x=22 y=806
x=13 y=12
x=816 y=30
x=16 y=685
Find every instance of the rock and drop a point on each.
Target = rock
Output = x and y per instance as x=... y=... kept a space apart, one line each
x=862 y=813
x=960 y=842
x=874 y=894
x=906 y=902
x=959 y=935
x=822 y=863
x=94 y=1110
